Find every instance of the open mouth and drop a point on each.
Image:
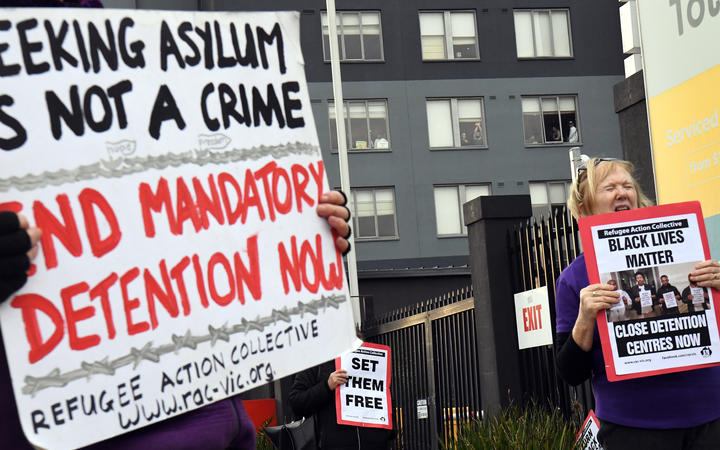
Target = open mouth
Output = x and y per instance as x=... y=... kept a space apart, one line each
x=622 y=208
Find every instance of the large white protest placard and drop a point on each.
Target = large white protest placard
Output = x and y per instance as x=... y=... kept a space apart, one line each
x=365 y=399
x=532 y=316
x=172 y=162
x=634 y=248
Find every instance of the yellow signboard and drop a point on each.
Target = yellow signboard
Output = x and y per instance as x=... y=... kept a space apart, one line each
x=681 y=63
x=686 y=141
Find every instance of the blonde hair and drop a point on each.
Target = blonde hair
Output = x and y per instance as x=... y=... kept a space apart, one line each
x=582 y=194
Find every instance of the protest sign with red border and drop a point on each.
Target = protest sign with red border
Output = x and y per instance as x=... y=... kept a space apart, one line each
x=365 y=401
x=654 y=241
x=587 y=436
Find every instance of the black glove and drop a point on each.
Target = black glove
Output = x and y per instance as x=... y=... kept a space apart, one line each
x=14 y=262
x=344 y=205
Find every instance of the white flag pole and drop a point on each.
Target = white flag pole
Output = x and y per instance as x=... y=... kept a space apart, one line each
x=342 y=148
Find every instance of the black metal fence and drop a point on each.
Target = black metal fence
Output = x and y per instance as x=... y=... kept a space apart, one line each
x=434 y=368
x=540 y=250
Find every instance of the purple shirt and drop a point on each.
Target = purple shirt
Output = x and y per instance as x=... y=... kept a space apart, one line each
x=674 y=400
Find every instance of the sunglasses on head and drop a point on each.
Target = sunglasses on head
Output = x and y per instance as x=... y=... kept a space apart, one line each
x=583 y=166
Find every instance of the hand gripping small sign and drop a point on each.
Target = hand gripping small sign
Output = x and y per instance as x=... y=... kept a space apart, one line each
x=365 y=400
x=172 y=162
x=667 y=324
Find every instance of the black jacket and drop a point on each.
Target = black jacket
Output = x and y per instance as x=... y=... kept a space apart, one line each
x=634 y=292
x=310 y=395
x=664 y=289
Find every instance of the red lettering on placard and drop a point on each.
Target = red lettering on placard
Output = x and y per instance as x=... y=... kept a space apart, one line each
x=165 y=296
x=129 y=304
x=252 y=197
x=73 y=316
x=101 y=291
x=156 y=201
x=226 y=200
x=29 y=305
x=185 y=208
x=66 y=233
x=288 y=267
x=207 y=204
x=299 y=186
x=177 y=274
x=318 y=176
x=284 y=206
x=232 y=214
x=263 y=174
x=200 y=282
x=296 y=264
x=15 y=207
x=215 y=259
x=249 y=278
x=89 y=200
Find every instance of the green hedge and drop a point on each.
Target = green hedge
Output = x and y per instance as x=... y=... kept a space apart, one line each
x=533 y=427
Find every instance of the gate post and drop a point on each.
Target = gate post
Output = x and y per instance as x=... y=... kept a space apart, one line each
x=488 y=220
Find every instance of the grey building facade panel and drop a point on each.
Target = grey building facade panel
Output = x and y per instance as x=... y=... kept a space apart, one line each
x=507 y=164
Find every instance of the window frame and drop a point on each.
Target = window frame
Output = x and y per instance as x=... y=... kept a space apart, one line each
x=548 y=206
x=461 y=189
x=562 y=140
x=455 y=122
x=533 y=11
x=348 y=128
x=341 y=33
x=356 y=228
x=447 y=35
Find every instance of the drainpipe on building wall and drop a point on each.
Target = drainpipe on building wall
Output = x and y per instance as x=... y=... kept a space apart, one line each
x=342 y=150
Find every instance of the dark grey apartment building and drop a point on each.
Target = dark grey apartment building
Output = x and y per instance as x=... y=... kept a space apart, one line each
x=446 y=101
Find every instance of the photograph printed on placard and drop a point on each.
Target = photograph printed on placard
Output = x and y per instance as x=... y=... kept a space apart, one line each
x=655 y=292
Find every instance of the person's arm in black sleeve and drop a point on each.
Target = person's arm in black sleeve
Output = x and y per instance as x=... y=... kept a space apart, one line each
x=574 y=364
x=308 y=393
x=17 y=248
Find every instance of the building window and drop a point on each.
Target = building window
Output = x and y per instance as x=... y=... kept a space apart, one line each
x=542 y=33
x=448 y=206
x=446 y=35
x=366 y=125
x=373 y=213
x=456 y=122
x=550 y=119
x=547 y=196
x=359 y=36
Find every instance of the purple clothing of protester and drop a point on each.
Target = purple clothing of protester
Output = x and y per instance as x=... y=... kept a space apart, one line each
x=674 y=400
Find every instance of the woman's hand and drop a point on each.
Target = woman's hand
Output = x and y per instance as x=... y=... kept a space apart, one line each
x=332 y=205
x=337 y=378
x=593 y=298
x=707 y=274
